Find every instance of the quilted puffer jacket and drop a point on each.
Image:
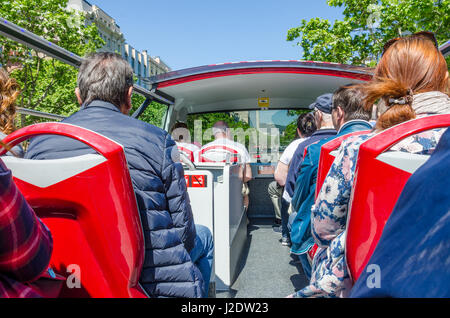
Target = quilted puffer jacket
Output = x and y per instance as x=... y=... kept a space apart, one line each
x=160 y=188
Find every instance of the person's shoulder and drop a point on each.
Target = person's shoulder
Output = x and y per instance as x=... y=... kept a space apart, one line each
x=358 y=139
x=351 y=144
x=189 y=146
x=133 y=130
x=209 y=144
x=294 y=144
x=314 y=148
x=116 y=118
x=241 y=146
x=3 y=168
x=301 y=146
x=151 y=132
x=194 y=147
x=144 y=125
x=298 y=141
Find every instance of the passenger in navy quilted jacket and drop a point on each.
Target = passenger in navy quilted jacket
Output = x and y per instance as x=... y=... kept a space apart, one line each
x=105 y=83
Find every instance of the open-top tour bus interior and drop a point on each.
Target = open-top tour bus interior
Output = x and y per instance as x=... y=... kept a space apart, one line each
x=261 y=100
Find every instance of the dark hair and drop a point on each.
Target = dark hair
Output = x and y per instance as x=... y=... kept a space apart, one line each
x=179 y=130
x=179 y=125
x=350 y=98
x=105 y=76
x=306 y=123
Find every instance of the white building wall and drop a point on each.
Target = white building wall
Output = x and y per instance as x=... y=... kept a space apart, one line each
x=108 y=29
x=144 y=66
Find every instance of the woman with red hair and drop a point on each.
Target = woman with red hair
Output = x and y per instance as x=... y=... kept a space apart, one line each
x=25 y=242
x=9 y=91
x=412 y=80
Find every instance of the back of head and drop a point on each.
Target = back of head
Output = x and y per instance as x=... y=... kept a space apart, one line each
x=105 y=76
x=411 y=65
x=179 y=130
x=306 y=124
x=350 y=98
x=9 y=91
x=220 y=127
x=322 y=108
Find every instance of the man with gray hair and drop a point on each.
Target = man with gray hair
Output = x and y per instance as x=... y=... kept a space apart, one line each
x=178 y=254
x=215 y=151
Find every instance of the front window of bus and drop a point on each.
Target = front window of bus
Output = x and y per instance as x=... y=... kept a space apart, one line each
x=265 y=133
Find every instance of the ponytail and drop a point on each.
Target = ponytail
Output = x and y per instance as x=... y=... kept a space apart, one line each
x=397 y=97
x=411 y=65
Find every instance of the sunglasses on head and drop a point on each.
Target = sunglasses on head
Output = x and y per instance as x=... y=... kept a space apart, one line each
x=425 y=34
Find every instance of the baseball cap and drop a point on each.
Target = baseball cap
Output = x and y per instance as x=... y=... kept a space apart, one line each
x=323 y=103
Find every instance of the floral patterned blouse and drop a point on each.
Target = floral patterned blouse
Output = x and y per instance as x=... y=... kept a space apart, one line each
x=330 y=277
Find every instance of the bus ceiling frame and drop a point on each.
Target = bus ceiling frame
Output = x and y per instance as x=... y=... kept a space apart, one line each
x=36 y=113
x=33 y=41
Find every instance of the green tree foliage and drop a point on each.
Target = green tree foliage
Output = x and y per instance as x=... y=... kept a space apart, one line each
x=290 y=133
x=367 y=24
x=46 y=84
x=154 y=113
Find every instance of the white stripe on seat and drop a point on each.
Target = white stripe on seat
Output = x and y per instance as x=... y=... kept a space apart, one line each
x=405 y=161
x=45 y=173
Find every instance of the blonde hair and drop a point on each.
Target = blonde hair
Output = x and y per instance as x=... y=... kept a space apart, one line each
x=9 y=91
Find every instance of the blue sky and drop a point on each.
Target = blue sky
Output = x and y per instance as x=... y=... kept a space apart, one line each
x=188 y=33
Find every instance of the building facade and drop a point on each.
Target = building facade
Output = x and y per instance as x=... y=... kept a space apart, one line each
x=158 y=66
x=108 y=29
x=144 y=66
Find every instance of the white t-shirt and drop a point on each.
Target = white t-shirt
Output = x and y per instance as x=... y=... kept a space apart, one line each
x=288 y=153
x=286 y=158
x=195 y=149
x=220 y=155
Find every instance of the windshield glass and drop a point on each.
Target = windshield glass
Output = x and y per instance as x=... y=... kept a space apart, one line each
x=265 y=133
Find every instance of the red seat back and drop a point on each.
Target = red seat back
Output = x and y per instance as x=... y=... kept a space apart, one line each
x=234 y=155
x=325 y=161
x=376 y=188
x=91 y=213
x=326 y=158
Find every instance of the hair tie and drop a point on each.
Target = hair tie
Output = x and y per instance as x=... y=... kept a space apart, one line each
x=405 y=100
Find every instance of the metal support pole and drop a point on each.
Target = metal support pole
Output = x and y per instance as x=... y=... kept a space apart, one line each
x=142 y=108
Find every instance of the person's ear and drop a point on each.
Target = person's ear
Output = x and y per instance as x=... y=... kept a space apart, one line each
x=78 y=95
x=318 y=116
x=128 y=101
x=340 y=113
